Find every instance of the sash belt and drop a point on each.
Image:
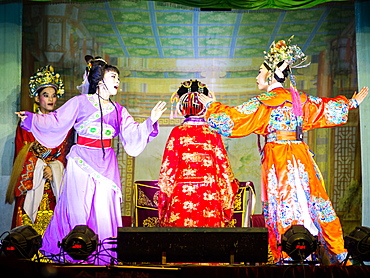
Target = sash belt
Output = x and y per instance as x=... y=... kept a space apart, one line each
x=282 y=135
x=93 y=143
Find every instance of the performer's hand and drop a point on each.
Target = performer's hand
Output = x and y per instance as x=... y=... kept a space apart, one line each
x=205 y=99
x=158 y=110
x=48 y=174
x=360 y=96
x=21 y=115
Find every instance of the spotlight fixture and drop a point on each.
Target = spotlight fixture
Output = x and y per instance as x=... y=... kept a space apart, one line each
x=80 y=243
x=21 y=242
x=358 y=244
x=298 y=242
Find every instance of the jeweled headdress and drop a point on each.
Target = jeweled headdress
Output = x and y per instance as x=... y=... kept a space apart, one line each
x=285 y=51
x=46 y=77
x=283 y=54
x=187 y=100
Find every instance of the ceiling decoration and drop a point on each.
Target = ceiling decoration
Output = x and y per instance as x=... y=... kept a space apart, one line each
x=151 y=30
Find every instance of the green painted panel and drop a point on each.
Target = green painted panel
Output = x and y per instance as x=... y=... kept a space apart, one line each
x=337 y=14
x=217 y=30
x=139 y=41
x=299 y=39
x=333 y=27
x=323 y=38
x=135 y=29
x=250 y=51
x=107 y=40
x=259 y=17
x=113 y=51
x=303 y=15
x=128 y=4
x=140 y=51
x=214 y=41
x=174 y=18
x=216 y=52
x=100 y=28
x=292 y=29
x=217 y=17
x=94 y=14
x=178 y=52
x=251 y=41
x=186 y=31
x=177 y=42
x=131 y=17
x=255 y=30
x=316 y=48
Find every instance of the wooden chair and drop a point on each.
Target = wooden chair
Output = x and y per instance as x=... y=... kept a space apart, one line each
x=146 y=204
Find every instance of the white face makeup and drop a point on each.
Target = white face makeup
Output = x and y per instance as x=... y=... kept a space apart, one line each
x=111 y=82
x=47 y=99
x=262 y=78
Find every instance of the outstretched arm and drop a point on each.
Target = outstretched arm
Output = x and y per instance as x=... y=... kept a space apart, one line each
x=360 y=96
x=157 y=111
x=21 y=115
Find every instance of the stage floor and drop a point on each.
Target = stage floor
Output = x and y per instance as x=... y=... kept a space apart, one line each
x=22 y=268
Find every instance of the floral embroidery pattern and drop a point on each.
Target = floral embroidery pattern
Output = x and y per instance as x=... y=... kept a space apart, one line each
x=267 y=95
x=221 y=123
x=249 y=107
x=336 y=112
x=282 y=119
x=197 y=186
x=314 y=99
x=324 y=209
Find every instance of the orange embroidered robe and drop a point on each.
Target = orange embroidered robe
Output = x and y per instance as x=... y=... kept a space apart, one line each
x=293 y=190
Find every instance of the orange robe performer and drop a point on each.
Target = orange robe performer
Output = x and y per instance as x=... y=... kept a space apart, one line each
x=292 y=187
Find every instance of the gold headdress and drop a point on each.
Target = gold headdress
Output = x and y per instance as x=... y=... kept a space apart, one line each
x=46 y=77
x=186 y=98
x=281 y=55
x=285 y=51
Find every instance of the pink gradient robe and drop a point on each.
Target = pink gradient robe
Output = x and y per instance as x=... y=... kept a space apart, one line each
x=91 y=192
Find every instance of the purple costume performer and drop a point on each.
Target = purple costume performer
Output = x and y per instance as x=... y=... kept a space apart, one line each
x=91 y=190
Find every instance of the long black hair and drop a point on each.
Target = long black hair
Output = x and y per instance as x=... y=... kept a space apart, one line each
x=96 y=74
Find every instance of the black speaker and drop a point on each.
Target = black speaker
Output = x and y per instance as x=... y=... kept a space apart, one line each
x=152 y=244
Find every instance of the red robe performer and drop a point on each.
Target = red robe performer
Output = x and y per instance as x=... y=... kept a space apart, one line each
x=197 y=185
x=37 y=170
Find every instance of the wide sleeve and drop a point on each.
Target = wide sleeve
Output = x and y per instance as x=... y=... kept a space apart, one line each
x=168 y=172
x=135 y=136
x=326 y=112
x=51 y=129
x=65 y=147
x=238 y=121
x=22 y=138
x=226 y=181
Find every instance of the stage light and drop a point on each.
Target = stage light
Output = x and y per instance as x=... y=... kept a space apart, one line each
x=22 y=242
x=298 y=242
x=358 y=244
x=80 y=243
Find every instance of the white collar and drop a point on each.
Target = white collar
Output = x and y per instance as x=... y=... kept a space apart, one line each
x=274 y=86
